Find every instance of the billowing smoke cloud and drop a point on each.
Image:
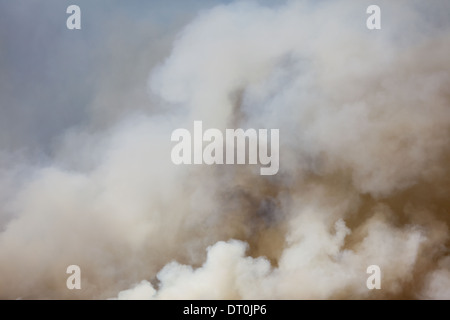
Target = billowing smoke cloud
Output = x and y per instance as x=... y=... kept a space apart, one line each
x=364 y=119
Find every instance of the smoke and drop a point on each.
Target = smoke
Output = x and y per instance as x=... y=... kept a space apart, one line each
x=364 y=119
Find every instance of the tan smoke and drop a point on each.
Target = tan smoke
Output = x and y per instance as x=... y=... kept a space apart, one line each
x=364 y=119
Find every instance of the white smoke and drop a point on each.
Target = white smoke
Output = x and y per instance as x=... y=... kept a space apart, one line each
x=364 y=119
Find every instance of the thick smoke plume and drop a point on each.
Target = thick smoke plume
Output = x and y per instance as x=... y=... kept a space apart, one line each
x=364 y=119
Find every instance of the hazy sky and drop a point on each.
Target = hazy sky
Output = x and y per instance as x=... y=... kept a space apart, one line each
x=50 y=75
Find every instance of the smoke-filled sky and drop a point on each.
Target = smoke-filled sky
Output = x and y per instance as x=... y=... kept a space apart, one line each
x=86 y=177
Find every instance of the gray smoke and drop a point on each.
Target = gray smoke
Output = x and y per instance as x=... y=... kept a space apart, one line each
x=364 y=119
